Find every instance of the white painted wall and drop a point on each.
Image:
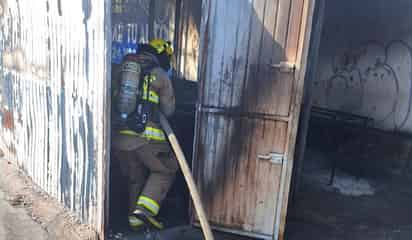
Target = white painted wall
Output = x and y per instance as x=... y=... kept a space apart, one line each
x=365 y=64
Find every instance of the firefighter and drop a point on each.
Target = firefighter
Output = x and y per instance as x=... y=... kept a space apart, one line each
x=144 y=153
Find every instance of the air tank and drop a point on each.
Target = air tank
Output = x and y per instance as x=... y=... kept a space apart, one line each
x=129 y=87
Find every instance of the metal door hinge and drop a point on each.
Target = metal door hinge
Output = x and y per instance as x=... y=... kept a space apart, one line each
x=275 y=158
x=285 y=67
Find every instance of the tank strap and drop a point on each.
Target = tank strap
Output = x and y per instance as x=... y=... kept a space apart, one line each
x=150 y=96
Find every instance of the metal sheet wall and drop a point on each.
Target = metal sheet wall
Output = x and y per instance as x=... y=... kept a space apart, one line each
x=53 y=85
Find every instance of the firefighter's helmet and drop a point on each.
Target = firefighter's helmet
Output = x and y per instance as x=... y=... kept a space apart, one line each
x=161 y=45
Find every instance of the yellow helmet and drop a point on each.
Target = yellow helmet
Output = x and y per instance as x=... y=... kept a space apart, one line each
x=162 y=46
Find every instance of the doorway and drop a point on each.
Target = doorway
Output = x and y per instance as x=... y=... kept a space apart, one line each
x=353 y=179
x=135 y=22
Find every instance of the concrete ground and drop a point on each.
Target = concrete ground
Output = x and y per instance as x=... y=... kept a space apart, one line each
x=372 y=207
x=16 y=224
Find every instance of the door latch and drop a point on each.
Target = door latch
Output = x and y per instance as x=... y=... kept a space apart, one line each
x=275 y=158
x=285 y=67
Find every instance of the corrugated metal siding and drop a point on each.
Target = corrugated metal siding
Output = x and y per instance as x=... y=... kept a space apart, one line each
x=53 y=89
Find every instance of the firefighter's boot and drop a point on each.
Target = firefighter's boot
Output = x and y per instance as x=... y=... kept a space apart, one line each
x=147 y=218
x=135 y=223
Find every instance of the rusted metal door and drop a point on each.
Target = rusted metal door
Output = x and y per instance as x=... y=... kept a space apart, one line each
x=253 y=58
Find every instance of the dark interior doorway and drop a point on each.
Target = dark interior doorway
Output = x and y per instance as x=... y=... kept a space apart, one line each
x=175 y=208
x=353 y=170
x=135 y=22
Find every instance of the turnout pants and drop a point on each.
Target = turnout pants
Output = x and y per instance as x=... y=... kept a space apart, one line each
x=150 y=167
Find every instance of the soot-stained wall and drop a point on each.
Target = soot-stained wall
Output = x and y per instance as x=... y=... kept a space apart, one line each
x=365 y=64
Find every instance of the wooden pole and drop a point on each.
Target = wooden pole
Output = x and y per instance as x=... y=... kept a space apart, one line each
x=207 y=232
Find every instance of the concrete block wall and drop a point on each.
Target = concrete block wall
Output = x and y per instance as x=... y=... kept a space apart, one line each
x=365 y=64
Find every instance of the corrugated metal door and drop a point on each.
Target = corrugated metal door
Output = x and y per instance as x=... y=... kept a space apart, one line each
x=252 y=62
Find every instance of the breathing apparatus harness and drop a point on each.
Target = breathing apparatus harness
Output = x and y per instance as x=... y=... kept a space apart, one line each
x=137 y=104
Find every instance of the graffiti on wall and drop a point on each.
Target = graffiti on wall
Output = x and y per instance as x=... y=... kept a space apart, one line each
x=373 y=80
